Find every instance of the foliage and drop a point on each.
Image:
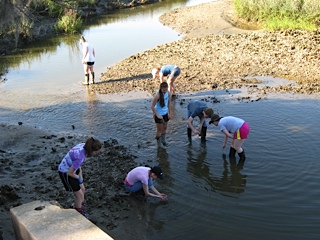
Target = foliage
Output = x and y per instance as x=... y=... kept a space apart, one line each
x=280 y=14
x=69 y=24
x=47 y=7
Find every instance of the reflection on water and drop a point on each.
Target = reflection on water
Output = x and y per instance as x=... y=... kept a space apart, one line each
x=231 y=180
x=54 y=62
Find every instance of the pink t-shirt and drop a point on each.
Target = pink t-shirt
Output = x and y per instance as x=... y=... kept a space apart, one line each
x=138 y=174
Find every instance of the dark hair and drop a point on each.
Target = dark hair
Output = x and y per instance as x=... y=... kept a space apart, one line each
x=92 y=145
x=82 y=38
x=209 y=112
x=161 y=99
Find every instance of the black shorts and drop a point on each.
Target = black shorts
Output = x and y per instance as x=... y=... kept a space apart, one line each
x=90 y=63
x=70 y=184
x=158 y=120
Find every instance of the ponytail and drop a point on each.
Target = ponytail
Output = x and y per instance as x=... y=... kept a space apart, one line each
x=91 y=146
x=161 y=98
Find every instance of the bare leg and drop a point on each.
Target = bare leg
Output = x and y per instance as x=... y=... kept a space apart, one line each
x=78 y=199
x=237 y=145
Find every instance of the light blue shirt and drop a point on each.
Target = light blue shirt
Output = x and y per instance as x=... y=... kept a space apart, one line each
x=231 y=124
x=163 y=110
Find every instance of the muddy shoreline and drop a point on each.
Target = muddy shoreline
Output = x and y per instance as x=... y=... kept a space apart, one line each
x=221 y=61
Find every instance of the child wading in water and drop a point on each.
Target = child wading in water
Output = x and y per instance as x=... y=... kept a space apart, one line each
x=161 y=110
x=235 y=128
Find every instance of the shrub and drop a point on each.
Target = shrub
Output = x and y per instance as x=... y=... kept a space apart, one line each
x=280 y=14
x=69 y=24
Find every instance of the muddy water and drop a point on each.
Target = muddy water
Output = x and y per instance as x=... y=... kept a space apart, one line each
x=274 y=196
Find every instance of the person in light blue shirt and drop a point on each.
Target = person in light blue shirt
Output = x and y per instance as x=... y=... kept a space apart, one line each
x=167 y=73
x=161 y=114
x=235 y=128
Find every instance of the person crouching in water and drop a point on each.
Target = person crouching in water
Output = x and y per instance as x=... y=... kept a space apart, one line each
x=70 y=170
x=235 y=128
x=142 y=178
x=161 y=110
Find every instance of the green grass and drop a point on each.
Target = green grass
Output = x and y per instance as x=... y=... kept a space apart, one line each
x=280 y=14
x=69 y=24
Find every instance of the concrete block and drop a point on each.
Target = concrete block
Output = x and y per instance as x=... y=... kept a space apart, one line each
x=52 y=223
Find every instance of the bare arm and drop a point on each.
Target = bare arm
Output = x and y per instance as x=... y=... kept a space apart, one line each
x=225 y=131
x=157 y=195
x=71 y=173
x=85 y=54
x=161 y=77
x=189 y=122
x=153 y=104
x=227 y=135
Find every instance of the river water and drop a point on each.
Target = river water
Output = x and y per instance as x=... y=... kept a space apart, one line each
x=275 y=195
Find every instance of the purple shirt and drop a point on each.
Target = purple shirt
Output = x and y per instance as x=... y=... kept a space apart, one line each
x=74 y=158
x=138 y=174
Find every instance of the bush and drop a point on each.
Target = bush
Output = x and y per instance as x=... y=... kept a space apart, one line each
x=69 y=24
x=280 y=14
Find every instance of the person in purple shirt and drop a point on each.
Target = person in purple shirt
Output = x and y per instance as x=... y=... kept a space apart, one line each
x=235 y=128
x=71 y=173
x=167 y=73
x=142 y=178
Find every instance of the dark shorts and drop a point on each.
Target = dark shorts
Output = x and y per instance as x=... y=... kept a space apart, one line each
x=70 y=184
x=90 y=63
x=158 y=120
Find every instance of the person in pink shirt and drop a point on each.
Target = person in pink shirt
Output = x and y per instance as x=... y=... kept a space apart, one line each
x=70 y=170
x=142 y=178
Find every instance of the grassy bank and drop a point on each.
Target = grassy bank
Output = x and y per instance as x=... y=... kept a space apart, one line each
x=280 y=14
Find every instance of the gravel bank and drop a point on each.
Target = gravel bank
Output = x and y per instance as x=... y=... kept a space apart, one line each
x=221 y=61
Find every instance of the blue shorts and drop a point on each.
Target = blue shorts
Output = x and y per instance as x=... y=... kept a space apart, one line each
x=137 y=186
x=175 y=72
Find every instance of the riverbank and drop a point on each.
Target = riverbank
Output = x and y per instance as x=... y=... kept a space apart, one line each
x=42 y=24
x=29 y=158
x=223 y=61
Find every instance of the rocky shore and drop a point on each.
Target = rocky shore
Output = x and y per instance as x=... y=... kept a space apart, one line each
x=29 y=158
x=221 y=61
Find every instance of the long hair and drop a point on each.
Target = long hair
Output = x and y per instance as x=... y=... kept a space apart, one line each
x=161 y=98
x=92 y=145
